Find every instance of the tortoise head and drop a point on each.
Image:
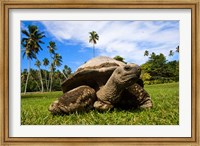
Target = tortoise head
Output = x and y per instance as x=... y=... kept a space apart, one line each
x=127 y=75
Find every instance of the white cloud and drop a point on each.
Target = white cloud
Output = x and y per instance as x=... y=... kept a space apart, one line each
x=128 y=39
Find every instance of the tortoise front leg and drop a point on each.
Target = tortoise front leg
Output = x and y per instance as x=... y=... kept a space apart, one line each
x=135 y=97
x=142 y=97
x=79 y=99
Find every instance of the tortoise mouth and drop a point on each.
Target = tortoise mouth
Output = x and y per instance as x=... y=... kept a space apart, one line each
x=135 y=73
x=131 y=77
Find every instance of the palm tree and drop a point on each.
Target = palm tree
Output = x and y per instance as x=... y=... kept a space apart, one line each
x=52 y=48
x=38 y=64
x=146 y=53
x=46 y=63
x=93 y=39
x=57 y=59
x=66 y=71
x=33 y=39
x=31 y=45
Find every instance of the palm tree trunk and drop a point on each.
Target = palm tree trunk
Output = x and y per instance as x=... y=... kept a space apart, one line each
x=51 y=81
x=26 y=82
x=46 y=80
x=93 y=51
x=51 y=74
x=41 y=81
x=64 y=75
x=27 y=76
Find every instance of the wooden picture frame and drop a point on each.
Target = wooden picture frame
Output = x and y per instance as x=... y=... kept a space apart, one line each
x=32 y=4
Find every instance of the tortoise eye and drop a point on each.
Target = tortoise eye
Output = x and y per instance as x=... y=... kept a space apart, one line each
x=127 y=68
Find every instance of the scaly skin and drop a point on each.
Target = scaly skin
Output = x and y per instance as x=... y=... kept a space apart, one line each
x=76 y=100
x=121 y=78
x=143 y=97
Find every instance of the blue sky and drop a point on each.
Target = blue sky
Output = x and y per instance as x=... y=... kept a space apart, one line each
x=128 y=39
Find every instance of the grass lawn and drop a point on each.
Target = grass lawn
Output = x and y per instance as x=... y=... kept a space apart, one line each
x=34 y=110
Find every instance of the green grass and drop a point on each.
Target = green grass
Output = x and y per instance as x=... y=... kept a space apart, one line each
x=34 y=110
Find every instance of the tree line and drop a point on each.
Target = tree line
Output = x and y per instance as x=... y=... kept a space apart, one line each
x=157 y=69
x=41 y=80
x=34 y=84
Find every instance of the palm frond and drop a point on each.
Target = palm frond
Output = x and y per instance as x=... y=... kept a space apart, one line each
x=41 y=42
x=25 y=32
x=32 y=29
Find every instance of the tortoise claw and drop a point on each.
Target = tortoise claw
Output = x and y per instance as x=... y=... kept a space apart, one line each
x=102 y=106
x=54 y=109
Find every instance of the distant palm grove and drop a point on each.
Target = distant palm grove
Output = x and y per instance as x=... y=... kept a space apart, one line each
x=47 y=78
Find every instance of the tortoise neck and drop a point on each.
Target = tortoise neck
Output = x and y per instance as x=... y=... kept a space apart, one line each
x=111 y=91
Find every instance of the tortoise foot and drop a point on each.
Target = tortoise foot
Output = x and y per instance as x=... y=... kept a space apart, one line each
x=79 y=99
x=99 y=105
x=147 y=105
x=54 y=109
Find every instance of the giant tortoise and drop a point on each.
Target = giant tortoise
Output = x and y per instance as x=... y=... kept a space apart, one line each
x=102 y=83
